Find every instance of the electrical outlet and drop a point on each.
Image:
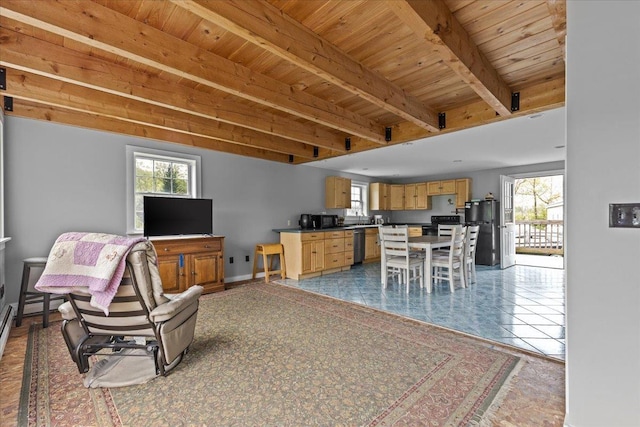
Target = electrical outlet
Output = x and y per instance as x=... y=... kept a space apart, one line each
x=246 y=258
x=625 y=215
x=230 y=260
x=288 y=222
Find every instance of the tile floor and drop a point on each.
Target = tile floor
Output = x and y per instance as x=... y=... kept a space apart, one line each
x=521 y=306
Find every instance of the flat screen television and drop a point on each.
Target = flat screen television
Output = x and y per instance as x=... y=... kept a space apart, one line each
x=171 y=216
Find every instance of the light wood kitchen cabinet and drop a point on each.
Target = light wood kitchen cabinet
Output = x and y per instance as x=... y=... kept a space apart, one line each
x=422 y=200
x=396 y=192
x=415 y=196
x=333 y=242
x=435 y=188
x=410 y=196
x=414 y=231
x=316 y=253
x=337 y=192
x=334 y=260
x=463 y=191
x=348 y=248
x=183 y=263
x=303 y=253
x=371 y=246
x=312 y=257
x=379 y=197
x=334 y=249
x=448 y=187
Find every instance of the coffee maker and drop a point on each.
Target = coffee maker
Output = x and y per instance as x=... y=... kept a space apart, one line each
x=306 y=222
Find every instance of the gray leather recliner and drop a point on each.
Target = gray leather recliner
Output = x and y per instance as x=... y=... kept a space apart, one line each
x=140 y=316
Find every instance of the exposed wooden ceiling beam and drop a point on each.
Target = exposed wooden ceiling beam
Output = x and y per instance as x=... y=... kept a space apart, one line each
x=57 y=93
x=534 y=99
x=268 y=27
x=31 y=110
x=435 y=24
x=51 y=60
x=105 y=29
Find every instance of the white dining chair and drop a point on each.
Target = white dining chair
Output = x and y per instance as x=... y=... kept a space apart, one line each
x=397 y=258
x=384 y=271
x=471 y=242
x=445 y=230
x=448 y=266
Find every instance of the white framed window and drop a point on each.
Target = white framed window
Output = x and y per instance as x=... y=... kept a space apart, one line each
x=359 y=200
x=153 y=172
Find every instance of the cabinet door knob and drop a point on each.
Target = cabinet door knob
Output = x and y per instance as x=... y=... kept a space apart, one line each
x=207 y=246
x=166 y=249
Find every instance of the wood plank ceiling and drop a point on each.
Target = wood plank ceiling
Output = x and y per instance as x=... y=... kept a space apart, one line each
x=282 y=80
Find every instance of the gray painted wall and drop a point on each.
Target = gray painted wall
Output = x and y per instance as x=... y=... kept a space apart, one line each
x=603 y=158
x=61 y=178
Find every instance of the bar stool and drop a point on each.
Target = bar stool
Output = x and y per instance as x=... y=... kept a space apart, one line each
x=29 y=295
x=266 y=250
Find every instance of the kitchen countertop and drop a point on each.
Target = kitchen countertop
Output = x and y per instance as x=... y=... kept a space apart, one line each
x=299 y=230
x=346 y=227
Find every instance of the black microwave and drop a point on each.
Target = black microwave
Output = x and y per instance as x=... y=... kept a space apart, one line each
x=324 y=221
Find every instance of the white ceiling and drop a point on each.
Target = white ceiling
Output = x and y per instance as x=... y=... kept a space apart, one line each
x=538 y=138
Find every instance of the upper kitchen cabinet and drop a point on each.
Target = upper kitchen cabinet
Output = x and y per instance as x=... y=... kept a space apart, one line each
x=415 y=196
x=397 y=197
x=435 y=188
x=337 y=192
x=379 y=196
x=463 y=191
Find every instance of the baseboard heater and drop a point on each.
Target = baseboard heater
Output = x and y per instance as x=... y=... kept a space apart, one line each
x=6 y=318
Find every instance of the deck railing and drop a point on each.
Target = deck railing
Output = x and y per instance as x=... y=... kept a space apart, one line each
x=541 y=236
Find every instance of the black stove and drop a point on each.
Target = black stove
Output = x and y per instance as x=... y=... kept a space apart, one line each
x=445 y=219
x=432 y=230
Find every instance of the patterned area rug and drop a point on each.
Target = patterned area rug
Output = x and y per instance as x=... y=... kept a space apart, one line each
x=269 y=355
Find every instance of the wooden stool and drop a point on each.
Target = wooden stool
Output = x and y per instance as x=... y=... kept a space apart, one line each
x=31 y=295
x=267 y=249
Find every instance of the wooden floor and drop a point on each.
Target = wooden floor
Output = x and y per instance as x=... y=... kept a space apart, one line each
x=11 y=367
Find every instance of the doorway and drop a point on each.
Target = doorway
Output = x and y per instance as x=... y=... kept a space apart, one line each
x=539 y=219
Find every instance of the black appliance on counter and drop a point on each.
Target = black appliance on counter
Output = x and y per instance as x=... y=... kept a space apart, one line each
x=432 y=230
x=317 y=222
x=305 y=222
x=486 y=214
x=325 y=221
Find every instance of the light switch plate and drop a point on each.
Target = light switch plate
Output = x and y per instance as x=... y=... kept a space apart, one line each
x=625 y=215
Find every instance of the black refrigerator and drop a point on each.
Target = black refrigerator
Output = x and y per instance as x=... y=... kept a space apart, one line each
x=486 y=214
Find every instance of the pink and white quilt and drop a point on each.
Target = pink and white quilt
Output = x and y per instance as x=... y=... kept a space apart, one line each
x=87 y=262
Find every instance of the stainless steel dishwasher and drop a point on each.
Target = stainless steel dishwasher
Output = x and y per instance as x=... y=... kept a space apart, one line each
x=358 y=245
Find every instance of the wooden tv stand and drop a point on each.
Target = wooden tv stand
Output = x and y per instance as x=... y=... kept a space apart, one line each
x=185 y=262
